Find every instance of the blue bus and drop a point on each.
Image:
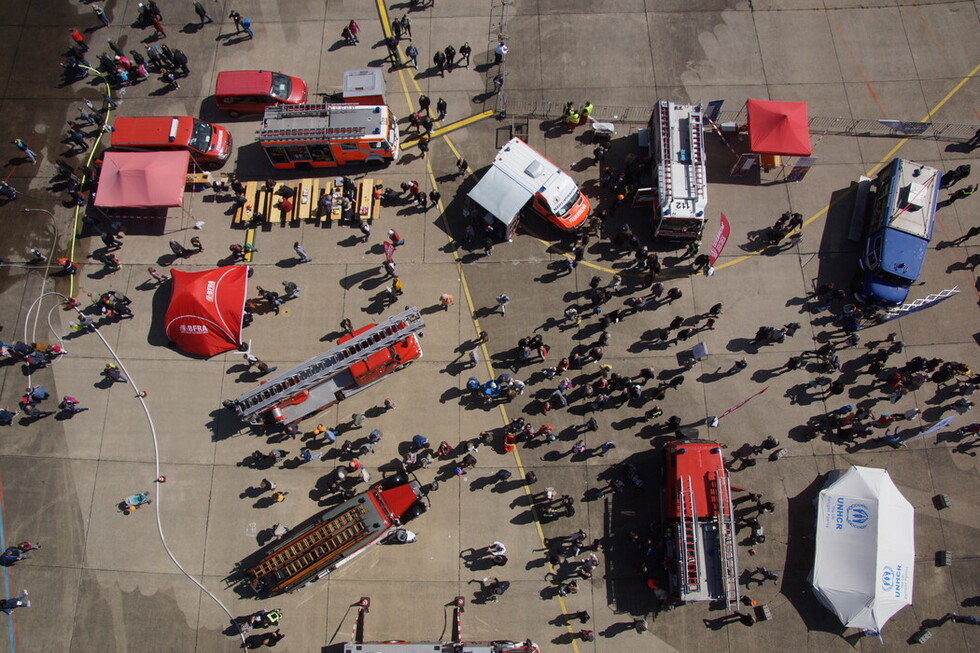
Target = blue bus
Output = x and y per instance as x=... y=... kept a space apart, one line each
x=897 y=231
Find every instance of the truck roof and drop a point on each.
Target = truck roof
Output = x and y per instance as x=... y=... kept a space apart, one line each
x=530 y=170
x=306 y=122
x=145 y=130
x=680 y=156
x=912 y=200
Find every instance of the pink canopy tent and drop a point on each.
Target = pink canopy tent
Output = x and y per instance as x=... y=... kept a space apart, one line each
x=205 y=312
x=778 y=128
x=142 y=179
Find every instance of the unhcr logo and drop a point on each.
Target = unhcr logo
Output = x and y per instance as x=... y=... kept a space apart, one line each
x=887 y=579
x=857 y=515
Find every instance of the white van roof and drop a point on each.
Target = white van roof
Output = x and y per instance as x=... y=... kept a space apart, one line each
x=518 y=172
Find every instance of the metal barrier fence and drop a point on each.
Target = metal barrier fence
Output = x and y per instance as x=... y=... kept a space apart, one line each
x=939 y=131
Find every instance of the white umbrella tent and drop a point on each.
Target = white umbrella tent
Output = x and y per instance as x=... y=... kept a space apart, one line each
x=865 y=551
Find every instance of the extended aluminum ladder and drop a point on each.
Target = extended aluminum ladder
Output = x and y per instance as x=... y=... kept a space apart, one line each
x=315 y=370
x=726 y=535
x=688 y=535
x=697 y=151
x=666 y=157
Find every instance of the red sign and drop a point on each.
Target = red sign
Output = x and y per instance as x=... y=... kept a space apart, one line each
x=724 y=229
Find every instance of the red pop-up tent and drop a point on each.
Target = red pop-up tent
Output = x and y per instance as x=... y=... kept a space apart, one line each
x=780 y=128
x=205 y=312
x=142 y=179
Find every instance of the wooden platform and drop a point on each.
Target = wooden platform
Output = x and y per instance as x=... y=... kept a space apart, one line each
x=306 y=201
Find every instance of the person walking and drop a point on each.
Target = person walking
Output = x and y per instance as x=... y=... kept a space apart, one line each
x=424 y=149
x=237 y=18
x=446 y=300
x=606 y=446
x=412 y=53
x=407 y=26
x=202 y=13
x=247 y=26
x=301 y=253
x=498 y=83
x=8 y=605
x=21 y=145
x=354 y=29
x=70 y=405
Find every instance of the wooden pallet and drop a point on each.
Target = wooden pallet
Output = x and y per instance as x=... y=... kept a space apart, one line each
x=243 y=214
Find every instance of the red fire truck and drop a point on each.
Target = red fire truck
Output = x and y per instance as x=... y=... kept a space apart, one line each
x=677 y=150
x=357 y=362
x=334 y=537
x=700 y=523
x=328 y=135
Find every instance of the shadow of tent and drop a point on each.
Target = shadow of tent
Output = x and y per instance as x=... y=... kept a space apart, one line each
x=800 y=550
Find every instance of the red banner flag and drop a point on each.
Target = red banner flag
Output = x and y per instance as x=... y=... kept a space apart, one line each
x=389 y=251
x=724 y=229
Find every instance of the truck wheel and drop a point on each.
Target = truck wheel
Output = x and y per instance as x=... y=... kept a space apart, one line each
x=403 y=365
x=393 y=481
x=413 y=511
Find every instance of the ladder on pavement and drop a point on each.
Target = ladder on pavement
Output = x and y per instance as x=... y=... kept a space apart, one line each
x=315 y=370
x=689 y=536
x=726 y=535
x=921 y=304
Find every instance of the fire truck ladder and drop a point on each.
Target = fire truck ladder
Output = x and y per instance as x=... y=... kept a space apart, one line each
x=307 y=110
x=697 y=152
x=726 y=534
x=689 y=534
x=308 y=374
x=665 y=152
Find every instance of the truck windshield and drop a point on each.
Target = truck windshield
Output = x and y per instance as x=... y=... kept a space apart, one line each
x=201 y=136
x=892 y=279
x=281 y=86
x=565 y=197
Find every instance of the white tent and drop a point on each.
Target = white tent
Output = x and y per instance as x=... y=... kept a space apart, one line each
x=865 y=551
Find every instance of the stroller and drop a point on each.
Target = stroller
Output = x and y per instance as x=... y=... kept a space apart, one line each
x=260 y=619
x=134 y=501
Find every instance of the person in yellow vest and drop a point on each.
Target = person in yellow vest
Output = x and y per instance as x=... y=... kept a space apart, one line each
x=572 y=119
x=585 y=112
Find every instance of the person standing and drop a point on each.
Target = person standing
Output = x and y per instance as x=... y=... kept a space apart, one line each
x=446 y=300
x=439 y=59
x=79 y=40
x=502 y=301
x=247 y=26
x=101 y=15
x=450 y=56
x=237 y=18
x=465 y=51
x=441 y=107
x=424 y=149
x=499 y=52
x=158 y=26
x=354 y=29
x=301 y=253
x=22 y=146
x=407 y=26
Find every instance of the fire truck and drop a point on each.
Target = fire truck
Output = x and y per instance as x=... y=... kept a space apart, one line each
x=677 y=150
x=332 y=538
x=456 y=645
x=359 y=360
x=700 y=523
x=328 y=135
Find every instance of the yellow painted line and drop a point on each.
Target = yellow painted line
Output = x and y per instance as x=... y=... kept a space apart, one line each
x=873 y=170
x=472 y=308
x=459 y=124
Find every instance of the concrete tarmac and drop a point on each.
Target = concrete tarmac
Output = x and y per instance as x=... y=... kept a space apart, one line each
x=103 y=581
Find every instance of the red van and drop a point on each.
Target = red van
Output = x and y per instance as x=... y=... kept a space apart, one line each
x=209 y=145
x=240 y=92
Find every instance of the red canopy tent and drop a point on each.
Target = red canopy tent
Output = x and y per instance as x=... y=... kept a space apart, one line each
x=778 y=128
x=205 y=312
x=142 y=179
